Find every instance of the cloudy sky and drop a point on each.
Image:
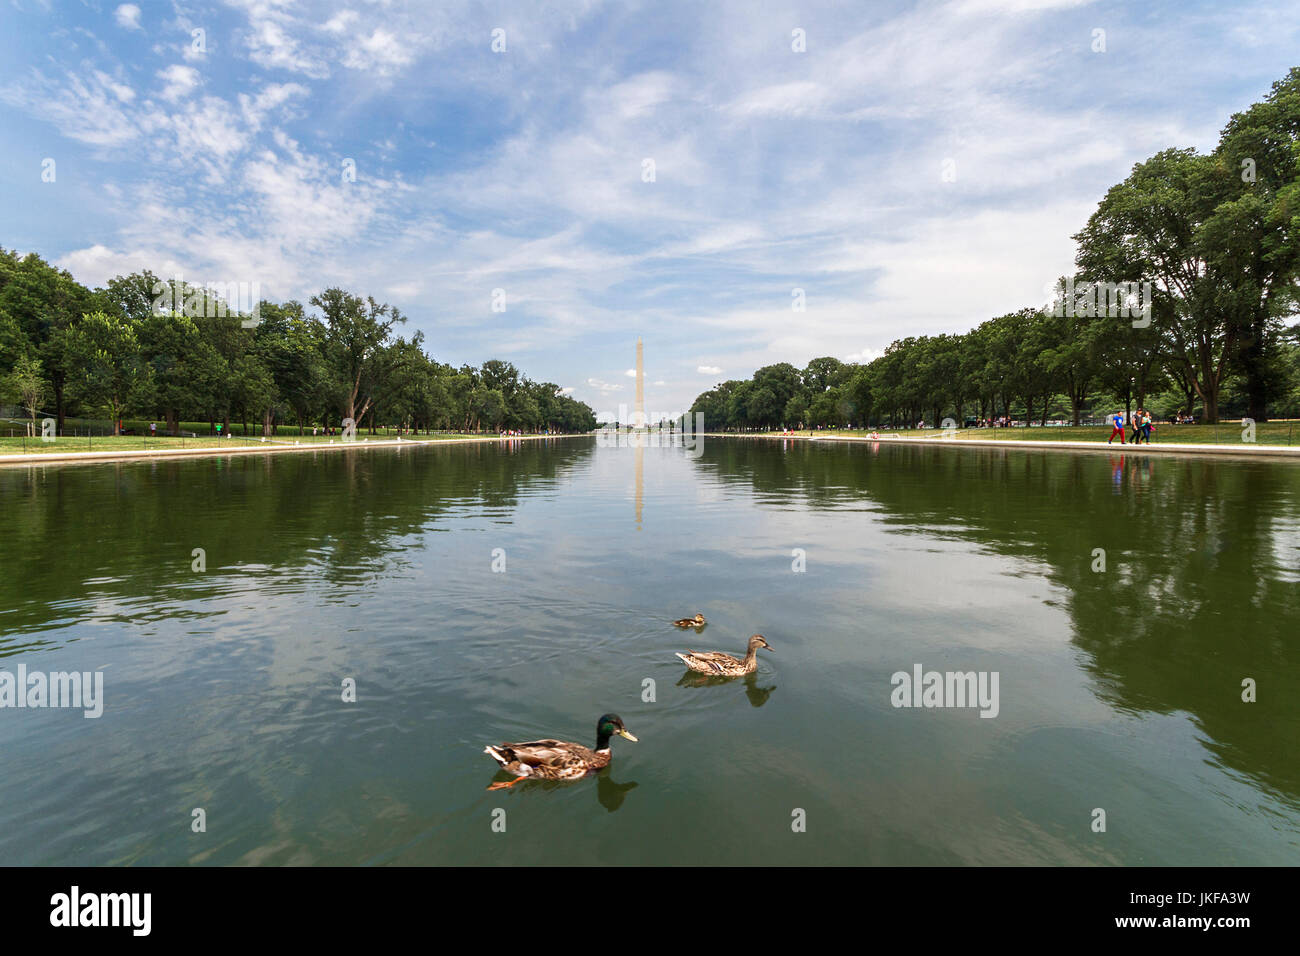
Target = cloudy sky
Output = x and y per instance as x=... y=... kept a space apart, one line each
x=666 y=170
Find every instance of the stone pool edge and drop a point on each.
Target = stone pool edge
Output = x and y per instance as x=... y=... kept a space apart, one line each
x=1243 y=451
x=97 y=457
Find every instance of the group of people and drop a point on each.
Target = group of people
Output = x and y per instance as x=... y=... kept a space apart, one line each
x=1140 y=422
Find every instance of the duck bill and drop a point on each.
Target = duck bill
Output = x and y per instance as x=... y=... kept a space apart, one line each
x=627 y=735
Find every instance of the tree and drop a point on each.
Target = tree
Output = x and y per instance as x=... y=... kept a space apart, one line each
x=135 y=295
x=796 y=409
x=183 y=366
x=43 y=300
x=1070 y=346
x=823 y=373
x=356 y=332
x=1149 y=228
x=763 y=406
x=489 y=407
x=1253 y=236
x=716 y=406
x=27 y=383
x=253 y=391
x=858 y=390
x=110 y=370
x=291 y=346
x=13 y=343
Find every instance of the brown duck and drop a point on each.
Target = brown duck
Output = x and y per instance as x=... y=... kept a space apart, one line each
x=718 y=664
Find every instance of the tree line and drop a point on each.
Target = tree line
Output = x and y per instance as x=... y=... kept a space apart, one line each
x=115 y=351
x=1204 y=250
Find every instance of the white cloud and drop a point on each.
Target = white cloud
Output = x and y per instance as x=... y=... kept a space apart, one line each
x=180 y=82
x=90 y=109
x=863 y=356
x=123 y=92
x=781 y=99
x=381 y=51
x=256 y=108
x=1005 y=7
x=271 y=43
x=709 y=370
x=96 y=264
x=341 y=22
x=128 y=16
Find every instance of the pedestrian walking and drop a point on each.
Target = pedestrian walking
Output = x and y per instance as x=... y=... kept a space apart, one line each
x=1117 y=428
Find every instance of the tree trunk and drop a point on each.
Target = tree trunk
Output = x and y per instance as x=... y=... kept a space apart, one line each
x=1255 y=368
x=57 y=382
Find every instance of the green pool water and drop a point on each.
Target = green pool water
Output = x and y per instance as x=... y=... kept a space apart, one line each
x=1119 y=690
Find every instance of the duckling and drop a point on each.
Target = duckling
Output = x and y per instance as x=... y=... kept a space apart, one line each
x=696 y=621
x=556 y=759
x=719 y=664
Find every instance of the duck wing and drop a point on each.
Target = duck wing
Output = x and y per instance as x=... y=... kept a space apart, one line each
x=709 y=661
x=542 y=753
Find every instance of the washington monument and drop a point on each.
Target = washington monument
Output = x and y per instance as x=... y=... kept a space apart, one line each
x=638 y=413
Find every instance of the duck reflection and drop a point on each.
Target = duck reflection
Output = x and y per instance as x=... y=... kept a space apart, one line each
x=757 y=695
x=609 y=792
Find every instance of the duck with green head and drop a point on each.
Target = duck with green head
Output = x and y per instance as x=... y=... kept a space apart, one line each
x=557 y=759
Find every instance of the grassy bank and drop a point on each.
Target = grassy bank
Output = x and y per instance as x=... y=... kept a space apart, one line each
x=144 y=444
x=1227 y=433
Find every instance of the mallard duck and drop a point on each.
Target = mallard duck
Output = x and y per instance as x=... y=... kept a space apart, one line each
x=696 y=621
x=556 y=759
x=718 y=664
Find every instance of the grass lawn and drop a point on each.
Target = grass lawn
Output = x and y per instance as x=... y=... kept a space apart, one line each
x=1225 y=433
x=17 y=444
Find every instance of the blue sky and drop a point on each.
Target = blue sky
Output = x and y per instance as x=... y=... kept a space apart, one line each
x=524 y=169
